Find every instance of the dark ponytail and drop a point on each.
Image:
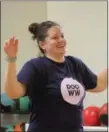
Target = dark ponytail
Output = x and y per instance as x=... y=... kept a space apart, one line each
x=33 y=28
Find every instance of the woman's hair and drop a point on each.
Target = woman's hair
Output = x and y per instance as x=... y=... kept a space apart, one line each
x=39 y=31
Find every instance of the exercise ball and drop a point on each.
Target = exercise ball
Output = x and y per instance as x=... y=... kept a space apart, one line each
x=20 y=127
x=103 y=115
x=23 y=105
x=91 y=116
x=7 y=102
x=9 y=128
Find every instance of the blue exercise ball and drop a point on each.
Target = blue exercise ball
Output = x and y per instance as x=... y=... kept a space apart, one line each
x=6 y=101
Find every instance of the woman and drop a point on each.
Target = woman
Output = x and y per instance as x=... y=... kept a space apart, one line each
x=56 y=84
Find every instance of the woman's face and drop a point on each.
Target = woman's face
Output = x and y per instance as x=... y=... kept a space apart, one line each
x=55 y=43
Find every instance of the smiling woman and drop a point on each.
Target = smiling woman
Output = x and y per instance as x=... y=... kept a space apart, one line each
x=50 y=39
x=56 y=84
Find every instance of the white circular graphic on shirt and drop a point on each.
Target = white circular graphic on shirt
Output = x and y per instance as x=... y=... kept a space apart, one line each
x=72 y=91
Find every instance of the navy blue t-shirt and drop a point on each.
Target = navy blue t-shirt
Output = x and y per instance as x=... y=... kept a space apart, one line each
x=56 y=91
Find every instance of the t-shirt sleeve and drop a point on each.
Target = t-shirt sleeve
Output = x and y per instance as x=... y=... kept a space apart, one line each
x=88 y=76
x=28 y=75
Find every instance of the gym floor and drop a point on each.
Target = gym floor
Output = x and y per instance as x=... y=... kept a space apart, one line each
x=7 y=119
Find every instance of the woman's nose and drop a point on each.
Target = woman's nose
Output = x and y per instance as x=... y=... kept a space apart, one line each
x=60 y=39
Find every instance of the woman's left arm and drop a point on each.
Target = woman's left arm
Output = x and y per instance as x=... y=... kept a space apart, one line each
x=102 y=82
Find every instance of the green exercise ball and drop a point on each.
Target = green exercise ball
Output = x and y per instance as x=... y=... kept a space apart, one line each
x=9 y=128
x=23 y=104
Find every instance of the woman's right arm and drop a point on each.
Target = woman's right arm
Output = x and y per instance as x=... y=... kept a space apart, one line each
x=12 y=87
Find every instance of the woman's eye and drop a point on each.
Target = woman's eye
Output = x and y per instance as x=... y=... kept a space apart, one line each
x=62 y=36
x=55 y=37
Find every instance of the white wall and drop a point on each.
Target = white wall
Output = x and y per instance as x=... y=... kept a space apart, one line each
x=15 y=19
x=85 y=28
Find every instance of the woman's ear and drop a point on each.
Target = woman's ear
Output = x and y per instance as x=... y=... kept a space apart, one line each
x=42 y=45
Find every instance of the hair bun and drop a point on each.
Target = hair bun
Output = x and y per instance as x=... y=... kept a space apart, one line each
x=33 y=28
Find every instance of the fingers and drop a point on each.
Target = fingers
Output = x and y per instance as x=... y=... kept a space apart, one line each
x=16 y=44
x=6 y=45
x=16 y=41
x=11 y=47
x=11 y=41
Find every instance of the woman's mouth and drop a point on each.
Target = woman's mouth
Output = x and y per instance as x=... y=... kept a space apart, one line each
x=60 y=46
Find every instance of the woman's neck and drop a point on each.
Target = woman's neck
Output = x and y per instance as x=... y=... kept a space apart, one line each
x=56 y=58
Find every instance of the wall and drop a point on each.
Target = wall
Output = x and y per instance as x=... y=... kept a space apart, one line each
x=85 y=27
x=15 y=19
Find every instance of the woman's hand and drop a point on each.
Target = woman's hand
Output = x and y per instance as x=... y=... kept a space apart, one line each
x=11 y=47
